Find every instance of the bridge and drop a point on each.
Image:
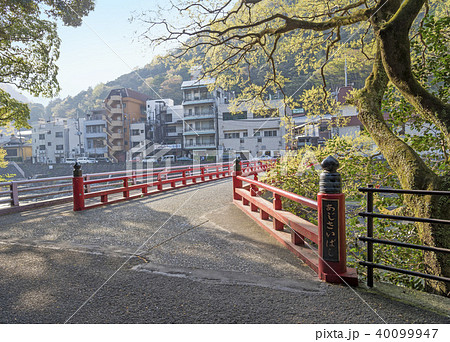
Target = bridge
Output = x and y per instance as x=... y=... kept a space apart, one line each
x=188 y=255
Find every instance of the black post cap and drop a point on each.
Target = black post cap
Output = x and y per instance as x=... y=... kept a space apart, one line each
x=330 y=179
x=237 y=164
x=77 y=172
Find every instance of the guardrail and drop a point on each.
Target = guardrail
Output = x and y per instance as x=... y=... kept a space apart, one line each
x=23 y=195
x=137 y=184
x=328 y=259
x=370 y=240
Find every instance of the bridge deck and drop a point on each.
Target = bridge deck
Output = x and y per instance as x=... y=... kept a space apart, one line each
x=195 y=258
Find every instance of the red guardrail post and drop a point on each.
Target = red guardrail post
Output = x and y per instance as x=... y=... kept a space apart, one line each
x=184 y=178
x=277 y=205
x=78 y=188
x=236 y=182
x=126 y=193
x=253 y=192
x=331 y=219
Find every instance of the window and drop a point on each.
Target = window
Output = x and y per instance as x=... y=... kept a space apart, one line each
x=59 y=134
x=245 y=134
x=241 y=140
x=259 y=140
x=169 y=118
x=136 y=143
x=232 y=135
x=49 y=132
x=135 y=132
x=256 y=133
x=237 y=116
x=60 y=147
x=49 y=144
x=42 y=147
x=41 y=136
x=270 y=133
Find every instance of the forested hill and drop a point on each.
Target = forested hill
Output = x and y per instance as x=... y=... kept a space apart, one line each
x=163 y=77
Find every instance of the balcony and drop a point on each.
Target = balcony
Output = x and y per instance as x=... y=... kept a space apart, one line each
x=188 y=116
x=117 y=123
x=114 y=136
x=96 y=135
x=116 y=110
x=115 y=148
x=191 y=101
x=199 y=131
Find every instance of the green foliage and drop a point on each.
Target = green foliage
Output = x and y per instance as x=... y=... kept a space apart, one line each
x=29 y=49
x=12 y=111
x=431 y=67
x=159 y=79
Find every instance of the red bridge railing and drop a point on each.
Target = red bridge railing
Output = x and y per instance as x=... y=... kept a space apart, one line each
x=322 y=247
x=90 y=193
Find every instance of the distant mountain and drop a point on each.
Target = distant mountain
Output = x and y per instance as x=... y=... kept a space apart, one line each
x=14 y=93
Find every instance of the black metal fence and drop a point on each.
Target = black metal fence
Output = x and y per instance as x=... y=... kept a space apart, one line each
x=370 y=240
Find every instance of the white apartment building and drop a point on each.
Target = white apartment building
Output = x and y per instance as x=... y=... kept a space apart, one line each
x=250 y=134
x=56 y=140
x=200 y=116
x=94 y=133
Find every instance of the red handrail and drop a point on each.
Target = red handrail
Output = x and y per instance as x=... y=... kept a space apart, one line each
x=283 y=193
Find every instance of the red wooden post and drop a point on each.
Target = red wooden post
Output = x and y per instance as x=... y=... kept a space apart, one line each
x=202 y=171
x=159 y=179
x=331 y=218
x=184 y=178
x=78 y=188
x=237 y=183
x=126 y=193
x=277 y=205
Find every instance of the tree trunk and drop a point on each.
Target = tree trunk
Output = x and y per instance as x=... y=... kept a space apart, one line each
x=411 y=170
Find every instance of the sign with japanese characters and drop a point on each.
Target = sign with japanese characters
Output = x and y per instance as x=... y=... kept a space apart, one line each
x=330 y=229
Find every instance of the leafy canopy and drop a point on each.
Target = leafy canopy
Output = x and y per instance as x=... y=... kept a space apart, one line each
x=29 y=49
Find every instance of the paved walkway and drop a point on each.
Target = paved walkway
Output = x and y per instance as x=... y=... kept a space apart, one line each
x=185 y=256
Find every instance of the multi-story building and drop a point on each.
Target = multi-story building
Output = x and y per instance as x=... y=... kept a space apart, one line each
x=165 y=125
x=211 y=128
x=200 y=116
x=95 y=134
x=252 y=134
x=17 y=149
x=53 y=141
x=124 y=107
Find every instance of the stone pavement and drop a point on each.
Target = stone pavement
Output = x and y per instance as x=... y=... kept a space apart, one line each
x=184 y=256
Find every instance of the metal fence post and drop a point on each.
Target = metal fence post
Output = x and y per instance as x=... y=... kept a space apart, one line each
x=369 y=208
x=78 y=188
x=14 y=194
x=331 y=222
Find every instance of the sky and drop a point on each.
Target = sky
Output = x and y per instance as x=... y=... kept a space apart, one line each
x=104 y=47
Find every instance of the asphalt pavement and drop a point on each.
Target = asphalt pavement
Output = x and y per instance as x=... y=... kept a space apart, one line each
x=184 y=256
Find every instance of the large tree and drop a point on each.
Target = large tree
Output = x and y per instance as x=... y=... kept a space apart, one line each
x=29 y=49
x=227 y=35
